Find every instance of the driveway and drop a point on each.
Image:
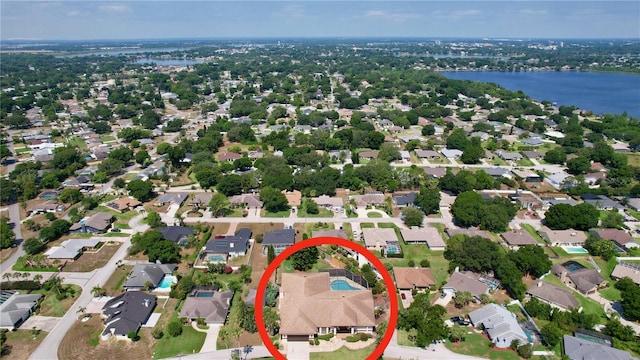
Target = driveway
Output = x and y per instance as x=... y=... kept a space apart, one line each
x=297 y=350
x=44 y=323
x=212 y=338
x=445 y=300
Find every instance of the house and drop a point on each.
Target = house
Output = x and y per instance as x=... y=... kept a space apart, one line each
x=533 y=154
x=123 y=204
x=483 y=136
x=553 y=295
x=126 y=313
x=337 y=233
x=620 y=238
x=314 y=308
x=229 y=157
x=435 y=173
x=518 y=238
x=146 y=276
x=451 y=153
x=509 y=155
x=172 y=198
x=633 y=203
x=201 y=201
x=549 y=201
x=413 y=278
x=427 y=235
x=221 y=249
x=532 y=142
x=368 y=155
x=500 y=324
x=466 y=281
x=280 y=240
x=70 y=249
x=580 y=349
x=601 y=202
x=624 y=269
x=44 y=207
x=404 y=200
x=560 y=180
x=594 y=177
x=15 y=308
x=568 y=237
x=497 y=172
x=246 y=200
x=575 y=275
x=177 y=234
x=330 y=202
x=96 y=223
x=377 y=238
x=427 y=154
x=469 y=232
x=213 y=309
x=294 y=198
x=369 y=199
x=528 y=176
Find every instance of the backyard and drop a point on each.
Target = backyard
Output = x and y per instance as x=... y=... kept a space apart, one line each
x=21 y=343
x=90 y=261
x=50 y=306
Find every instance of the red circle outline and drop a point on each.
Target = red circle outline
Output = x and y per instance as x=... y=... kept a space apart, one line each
x=327 y=240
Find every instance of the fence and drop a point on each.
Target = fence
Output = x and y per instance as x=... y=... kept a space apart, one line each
x=359 y=279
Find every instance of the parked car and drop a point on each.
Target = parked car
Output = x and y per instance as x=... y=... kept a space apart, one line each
x=403 y=296
x=116 y=230
x=442 y=296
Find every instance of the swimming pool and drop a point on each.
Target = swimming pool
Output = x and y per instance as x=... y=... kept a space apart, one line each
x=341 y=285
x=575 y=250
x=216 y=258
x=204 y=294
x=165 y=284
x=572 y=266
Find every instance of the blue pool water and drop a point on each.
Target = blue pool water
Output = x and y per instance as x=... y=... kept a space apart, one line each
x=204 y=294
x=215 y=258
x=575 y=250
x=166 y=282
x=341 y=285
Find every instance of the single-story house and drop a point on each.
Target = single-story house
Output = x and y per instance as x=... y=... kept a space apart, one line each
x=177 y=234
x=413 y=278
x=528 y=175
x=621 y=238
x=314 y=308
x=126 y=313
x=294 y=198
x=567 y=237
x=435 y=173
x=532 y=142
x=201 y=201
x=553 y=295
x=585 y=280
x=15 y=308
x=213 y=309
x=466 y=281
x=46 y=206
x=123 y=204
x=560 y=180
x=427 y=235
x=338 y=233
x=96 y=223
x=509 y=155
x=70 y=249
x=533 y=154
x=330 y=202
x=498 y=172
x=377 y=238
x=229 y=156
x=280 y=240
x=368 y=155
x=427 y=154
x=147 y=275
x=404 y=200
x=172 y=198
x=624 y=269
x=246 y=200
x=500 y=324
x=223 y=248
x=594 y=177
x=579 y=349
x=451 y=153
x=518 y=238
x=602 y=202
x=369 y=199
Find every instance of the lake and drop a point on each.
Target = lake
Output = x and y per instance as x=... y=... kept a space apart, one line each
x=599 y=92
x=167 y=62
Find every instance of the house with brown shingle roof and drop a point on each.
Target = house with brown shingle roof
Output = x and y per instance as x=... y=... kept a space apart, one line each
x=567 y=237
x=294 y=198
x=553 y=295
x=368 y=155
x=621 y=238
x=624 y=269
x=377 y=238
x=582 y=279
x=246 y=200
x=123 y=204
x=427 y=235
x=308 y=307
x=515 y=239
x=466 y=281
x=370 y=199
x=229 y=156
x=413 y=278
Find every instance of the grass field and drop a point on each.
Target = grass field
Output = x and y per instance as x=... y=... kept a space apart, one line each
x=343 y=354
x=279 y=214
x=51 y=306
x=532 y=231
x=189 y=342
x=77 y=142
x=374 y=214
x=21 y=343
x=477 y=345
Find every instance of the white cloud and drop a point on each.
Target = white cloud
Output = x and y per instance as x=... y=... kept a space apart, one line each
x=533 y=12
x=457 y=14
x=114 y=8
x=390 y=15
x=73 y=13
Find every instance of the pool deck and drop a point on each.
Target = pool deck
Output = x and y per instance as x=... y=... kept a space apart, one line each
x=348 y=281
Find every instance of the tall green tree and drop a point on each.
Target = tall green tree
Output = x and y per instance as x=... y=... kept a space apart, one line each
x=305 y=259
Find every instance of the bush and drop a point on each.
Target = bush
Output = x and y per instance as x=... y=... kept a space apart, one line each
x=525 y=351
x=174 y=328
x=424 y=263
x=20 y=285
x=157 y=333
x=316 y=342
x=311 y=342
x=325 y=337
x=358 y=337
x=411 y=263
x=259 y=238
x=133 y=336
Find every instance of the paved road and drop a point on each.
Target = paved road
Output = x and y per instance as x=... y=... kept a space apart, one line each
x=14 y=217
x=48 y=348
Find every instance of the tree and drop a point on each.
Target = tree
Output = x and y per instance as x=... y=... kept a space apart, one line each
x=511 y=278
x=70 y=196
x=612 y=220
x=248 y=321
x=142 y=157
x=7 y=237
x=98 y=291
x=555 y=156
x=389 y=152
x=467 y=209
x=423 y=320
x=141 y=190
x=154 y=220
x=473 y=253
x=271 y=295
x=219 y=204
x=614 y=328
x=412 y=216
x=586 y=216
x=33 y=246
x=123 y=154
x=428 y=200
x=458 y=140
x=311 y=207
x=525 y=351
x=578 y=166
x=230 y=185
x=165 y=251
x=559 y=217
x=462 y=299
x=119 y=183
x=273 y=200
x=531 y=259
x=472 y=154
x=551 y=333
x=271 y=319
x=428 y=130
x=111 y=166
x=457 y=333
x=305 y=259
x=174 y=328
x=600 y=247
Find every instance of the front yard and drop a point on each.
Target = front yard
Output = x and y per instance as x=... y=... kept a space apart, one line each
x=21 y=343
x=478 y=345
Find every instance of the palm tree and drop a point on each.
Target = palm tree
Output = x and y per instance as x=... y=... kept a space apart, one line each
x=37 y=277
x=6 y=276
x=81 y=310
x=98 y=291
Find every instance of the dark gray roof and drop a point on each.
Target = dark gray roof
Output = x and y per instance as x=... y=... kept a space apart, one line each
x=244 y=233
x=175 y=233
x=227 y=245
x=127 y=312
x=405 y=199
x=578 y=349
x=279 y=237
x=141 y=273
x=213 y=309
x=14 y=306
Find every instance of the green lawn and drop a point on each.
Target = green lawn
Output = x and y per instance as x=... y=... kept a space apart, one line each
x=189 y=342
x=611 y=293
x=374 y=214
x=367 y=225
x=77 y=142
x=120 y=216
x=122 y=226
x=129 y=176
x=322 y=213
x=22 y=150
x=50 y=306
x=107 y=138
x=279 y=214
x=532 y=231
x=477 y=345
x=525 y=162
x=589 y=306
x=343 y=354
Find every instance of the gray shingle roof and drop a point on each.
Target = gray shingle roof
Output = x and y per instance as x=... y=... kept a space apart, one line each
x=127 y=312
x=153 y=273
x=578 y=349
x=279 y=237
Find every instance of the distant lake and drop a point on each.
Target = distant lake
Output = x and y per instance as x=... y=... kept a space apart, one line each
x=167 y=62
x=598 y=92
x=123 y=51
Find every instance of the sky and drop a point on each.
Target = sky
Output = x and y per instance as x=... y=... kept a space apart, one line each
x=144 y=19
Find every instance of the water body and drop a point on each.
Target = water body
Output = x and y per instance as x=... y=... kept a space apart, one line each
x=123 y=51
x=167 y=62
x=598 y=92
